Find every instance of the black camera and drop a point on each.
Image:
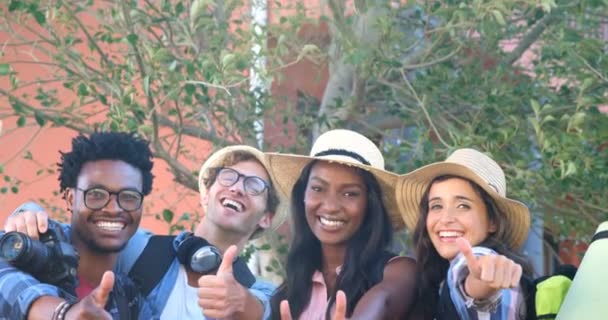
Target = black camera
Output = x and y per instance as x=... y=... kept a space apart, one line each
x=51 y=259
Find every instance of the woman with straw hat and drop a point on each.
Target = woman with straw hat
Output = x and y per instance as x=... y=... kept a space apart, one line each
x=452 y=206
x=344 y=213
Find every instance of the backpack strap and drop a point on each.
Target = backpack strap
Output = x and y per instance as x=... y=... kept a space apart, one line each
x=599 y=235
x=150 y=267
x=242 y=274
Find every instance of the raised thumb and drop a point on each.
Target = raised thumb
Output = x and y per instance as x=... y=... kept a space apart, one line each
x=340 y=313
x=285 y=311
x=102 y=292
x=464 y=246
x=227 y=260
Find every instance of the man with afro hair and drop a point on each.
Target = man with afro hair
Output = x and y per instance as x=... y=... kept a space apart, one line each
x=103 y=180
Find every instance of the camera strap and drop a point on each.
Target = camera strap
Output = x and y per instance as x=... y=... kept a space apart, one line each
x=151 y=266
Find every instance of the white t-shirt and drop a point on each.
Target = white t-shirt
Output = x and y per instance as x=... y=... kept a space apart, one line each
x=182 y=302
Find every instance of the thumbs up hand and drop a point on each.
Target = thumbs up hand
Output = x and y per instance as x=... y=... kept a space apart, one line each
x=220 y=295
x=93 y=306
x=339 y=314
x=285 y=311
x=489 y=273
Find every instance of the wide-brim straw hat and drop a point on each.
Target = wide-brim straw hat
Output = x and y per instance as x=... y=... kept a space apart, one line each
x=472 y=165
x=345 y=147
x=218 y=159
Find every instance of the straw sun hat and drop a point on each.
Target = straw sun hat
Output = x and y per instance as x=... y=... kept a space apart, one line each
x=477 y=167
x=219 y=158
x=344 y=147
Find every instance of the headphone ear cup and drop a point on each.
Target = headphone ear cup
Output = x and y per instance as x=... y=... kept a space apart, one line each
x=187 y=247
x=198 y=255
x=205 y=260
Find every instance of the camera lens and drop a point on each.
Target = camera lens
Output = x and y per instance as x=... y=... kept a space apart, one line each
x=23 y=252
x=12 y=245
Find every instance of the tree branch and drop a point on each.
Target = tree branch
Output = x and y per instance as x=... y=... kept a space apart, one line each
x=193 y=131
x=57 y=120
x=530 y=37
x=92 y=41
x=426 y=113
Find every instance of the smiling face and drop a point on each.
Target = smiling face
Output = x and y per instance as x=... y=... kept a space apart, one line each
x=108 y=229
x=456 y=210
x=234 y=210
x=335 y=200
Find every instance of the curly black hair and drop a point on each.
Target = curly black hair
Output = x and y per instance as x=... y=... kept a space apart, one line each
x=122 y=146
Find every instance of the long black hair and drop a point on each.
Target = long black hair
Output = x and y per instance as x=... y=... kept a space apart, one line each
x=432 y=268
x=363 y=266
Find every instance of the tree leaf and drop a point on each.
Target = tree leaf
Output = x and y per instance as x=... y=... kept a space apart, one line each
x=40 y=119
x=4 y=69
x=147 y=85
x=39 y=16
x=499 y=17
x=168 y=215
x=16 y=105
x=132 y=39
x=21 y=121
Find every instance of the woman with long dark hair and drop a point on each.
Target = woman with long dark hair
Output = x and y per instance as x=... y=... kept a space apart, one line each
x=467 y=235
x=343 y=213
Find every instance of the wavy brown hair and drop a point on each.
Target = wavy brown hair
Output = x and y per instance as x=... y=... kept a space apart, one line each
x=432 y=268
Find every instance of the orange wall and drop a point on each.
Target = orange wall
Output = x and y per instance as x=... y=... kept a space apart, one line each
x=45 y=148
x=45 y=143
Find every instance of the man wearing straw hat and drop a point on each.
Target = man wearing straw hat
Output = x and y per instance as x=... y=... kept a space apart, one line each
x=240 y=203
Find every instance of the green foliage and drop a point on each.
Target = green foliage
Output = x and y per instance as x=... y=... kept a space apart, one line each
x=423 y=78
x=451 y=73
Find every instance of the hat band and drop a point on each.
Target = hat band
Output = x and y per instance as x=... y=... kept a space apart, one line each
x=342 y=152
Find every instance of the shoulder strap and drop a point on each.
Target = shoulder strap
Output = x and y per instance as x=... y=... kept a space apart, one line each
x=242 y=274
x=599 y=235
x=150 y=267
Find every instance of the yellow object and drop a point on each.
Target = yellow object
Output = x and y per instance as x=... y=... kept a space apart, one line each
x=550 y=294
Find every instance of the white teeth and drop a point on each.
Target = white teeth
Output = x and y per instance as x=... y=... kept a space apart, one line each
x=331 y=223
x=110 y=226
x=450 y=234
x=233 y=204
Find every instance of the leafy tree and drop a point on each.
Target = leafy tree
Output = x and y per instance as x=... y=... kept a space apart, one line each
x=522 y=80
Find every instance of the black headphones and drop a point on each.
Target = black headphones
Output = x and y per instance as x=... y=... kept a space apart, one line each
x=198 y=255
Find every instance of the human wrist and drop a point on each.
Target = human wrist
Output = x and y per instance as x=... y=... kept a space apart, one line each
x=250 y=308
x=477 y=289
x=61 y=310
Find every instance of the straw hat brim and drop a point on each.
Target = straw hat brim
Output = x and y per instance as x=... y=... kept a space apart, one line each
x=288 y=167
x=411 y=187
x=219 y=157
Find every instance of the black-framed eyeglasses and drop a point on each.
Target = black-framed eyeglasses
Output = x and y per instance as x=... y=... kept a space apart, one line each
x=253 y=185
x=97 y=198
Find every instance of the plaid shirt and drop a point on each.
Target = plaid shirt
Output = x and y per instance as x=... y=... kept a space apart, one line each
x=18 y=290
